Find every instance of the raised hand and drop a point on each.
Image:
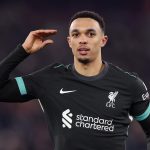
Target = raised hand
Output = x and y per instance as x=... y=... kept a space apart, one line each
x=38 y=39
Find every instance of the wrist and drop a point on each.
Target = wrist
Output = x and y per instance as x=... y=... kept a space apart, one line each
x=26 y=49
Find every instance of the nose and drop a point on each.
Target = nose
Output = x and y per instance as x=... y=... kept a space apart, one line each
x=83 y=40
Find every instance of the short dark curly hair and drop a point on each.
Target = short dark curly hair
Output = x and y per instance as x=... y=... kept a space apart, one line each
x=89 y=14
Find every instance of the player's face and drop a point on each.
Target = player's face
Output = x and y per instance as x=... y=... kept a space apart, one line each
x=86 y=39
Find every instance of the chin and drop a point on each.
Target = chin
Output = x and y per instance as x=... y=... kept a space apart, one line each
x=84 y=60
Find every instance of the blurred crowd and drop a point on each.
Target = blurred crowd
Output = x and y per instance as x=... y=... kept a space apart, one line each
x=23 y=126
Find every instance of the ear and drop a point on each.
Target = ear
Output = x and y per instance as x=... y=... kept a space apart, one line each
x=69 y=42
x=104 y=40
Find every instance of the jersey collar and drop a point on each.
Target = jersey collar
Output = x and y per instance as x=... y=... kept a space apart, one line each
x=99 y=76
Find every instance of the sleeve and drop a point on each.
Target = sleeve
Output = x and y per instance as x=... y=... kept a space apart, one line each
x=25 y=88
x=141 y=107
x=14 y=90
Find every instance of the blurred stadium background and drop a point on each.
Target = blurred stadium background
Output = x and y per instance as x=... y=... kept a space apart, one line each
x=23 y=126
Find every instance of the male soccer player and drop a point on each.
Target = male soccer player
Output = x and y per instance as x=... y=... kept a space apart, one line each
x=88 y=102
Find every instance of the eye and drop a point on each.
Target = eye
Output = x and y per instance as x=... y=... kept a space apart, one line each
x=91 y=34
x=75 y=35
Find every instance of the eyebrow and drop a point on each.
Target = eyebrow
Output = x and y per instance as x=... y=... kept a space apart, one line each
x=88 y=30
x=75 y=30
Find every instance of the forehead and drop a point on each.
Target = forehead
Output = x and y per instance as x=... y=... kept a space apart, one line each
x=84 y=24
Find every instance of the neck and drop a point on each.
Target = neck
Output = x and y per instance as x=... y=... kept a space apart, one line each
x=90 y=69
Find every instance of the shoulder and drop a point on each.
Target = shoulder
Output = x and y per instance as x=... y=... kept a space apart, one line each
x=119 y=72
x=131 y=79
x=58 y=66
x=52 y=68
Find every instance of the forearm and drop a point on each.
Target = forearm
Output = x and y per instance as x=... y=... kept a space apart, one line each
x=9 y=91
x=8 y=64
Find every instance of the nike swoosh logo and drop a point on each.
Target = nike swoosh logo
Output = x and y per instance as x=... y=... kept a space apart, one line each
x=64 y=92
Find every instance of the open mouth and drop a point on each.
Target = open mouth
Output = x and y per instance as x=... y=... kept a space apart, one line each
x=83 y=51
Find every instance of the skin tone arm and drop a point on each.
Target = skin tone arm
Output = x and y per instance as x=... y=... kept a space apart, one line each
x=38 y=39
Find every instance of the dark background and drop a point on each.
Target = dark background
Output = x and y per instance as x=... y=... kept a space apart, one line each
x=23 y=126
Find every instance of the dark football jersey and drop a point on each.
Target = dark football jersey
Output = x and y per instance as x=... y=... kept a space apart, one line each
x=85 y=113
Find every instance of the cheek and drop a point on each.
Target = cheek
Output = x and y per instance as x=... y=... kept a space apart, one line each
x=96 y=45
x=73 y=45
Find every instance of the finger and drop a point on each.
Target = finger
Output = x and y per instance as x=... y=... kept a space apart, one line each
x=46 y=31
x=42 y=34
x=46 y=42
